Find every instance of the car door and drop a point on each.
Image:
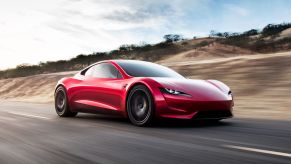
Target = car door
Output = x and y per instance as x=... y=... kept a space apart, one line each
x=101 y=88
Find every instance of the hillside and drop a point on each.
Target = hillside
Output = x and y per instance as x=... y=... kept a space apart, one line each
x=255 y=64
x=211 y=51
x=260 y=83
x=271 y=39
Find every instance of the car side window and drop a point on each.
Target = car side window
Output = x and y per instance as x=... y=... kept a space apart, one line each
x=88 y=72
x=103 y=70
x=119 y=76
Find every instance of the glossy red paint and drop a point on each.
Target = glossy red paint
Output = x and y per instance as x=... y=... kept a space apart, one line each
x=94 y=95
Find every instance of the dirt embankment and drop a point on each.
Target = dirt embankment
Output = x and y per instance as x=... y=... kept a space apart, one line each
x=261 y=83
x=211 y=51
x=37 y=88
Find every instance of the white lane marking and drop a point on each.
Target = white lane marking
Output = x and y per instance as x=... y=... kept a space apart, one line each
x=259 y=150
x=29 y=115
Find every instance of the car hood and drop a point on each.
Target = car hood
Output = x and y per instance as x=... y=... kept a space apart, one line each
x=198 y=89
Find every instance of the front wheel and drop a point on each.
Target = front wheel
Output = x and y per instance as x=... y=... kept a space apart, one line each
x=61 y=103
x=140 y=107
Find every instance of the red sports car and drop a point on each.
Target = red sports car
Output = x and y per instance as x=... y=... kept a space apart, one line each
x=141 y=91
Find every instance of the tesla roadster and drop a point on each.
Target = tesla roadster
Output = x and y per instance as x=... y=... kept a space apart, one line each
x=141 y=91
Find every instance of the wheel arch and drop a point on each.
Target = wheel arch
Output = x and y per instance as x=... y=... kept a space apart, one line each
x=131 y=87
x=136 y=84
x=64 y=82
x=58 y=85
x=150 y=115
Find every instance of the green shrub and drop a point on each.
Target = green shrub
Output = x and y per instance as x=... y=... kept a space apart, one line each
x=275 y=29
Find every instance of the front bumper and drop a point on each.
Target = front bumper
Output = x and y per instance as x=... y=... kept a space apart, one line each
x=181 y=107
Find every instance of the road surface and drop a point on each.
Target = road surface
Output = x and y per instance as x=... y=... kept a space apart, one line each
x=33 y=133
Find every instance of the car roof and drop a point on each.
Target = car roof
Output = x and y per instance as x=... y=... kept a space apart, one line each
x=127 y=61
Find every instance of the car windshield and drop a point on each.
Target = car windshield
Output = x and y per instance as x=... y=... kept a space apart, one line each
x=146 y=69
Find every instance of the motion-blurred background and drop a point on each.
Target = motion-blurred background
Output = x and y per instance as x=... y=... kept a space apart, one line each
x=246 y=44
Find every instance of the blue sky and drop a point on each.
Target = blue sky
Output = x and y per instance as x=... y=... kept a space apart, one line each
x=40 y=30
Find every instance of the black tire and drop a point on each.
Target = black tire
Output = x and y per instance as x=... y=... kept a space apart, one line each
x=61 y=103
x=140 y=106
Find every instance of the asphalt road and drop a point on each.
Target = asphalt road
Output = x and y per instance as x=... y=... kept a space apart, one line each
x=33 y=133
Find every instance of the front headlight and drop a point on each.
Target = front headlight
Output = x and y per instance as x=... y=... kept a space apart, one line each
x=174 y=92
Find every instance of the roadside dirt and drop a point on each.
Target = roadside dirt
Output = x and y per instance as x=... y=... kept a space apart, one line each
x=38 y=88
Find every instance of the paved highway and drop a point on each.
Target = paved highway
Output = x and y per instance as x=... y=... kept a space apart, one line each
x=33 y=133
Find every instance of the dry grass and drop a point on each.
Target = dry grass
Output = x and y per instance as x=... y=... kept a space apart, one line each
x=284 y=34
x=212 y=51
x=38 y=88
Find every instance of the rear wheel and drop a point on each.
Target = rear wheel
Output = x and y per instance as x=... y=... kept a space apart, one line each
x=61 y=103
x=140 y=106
